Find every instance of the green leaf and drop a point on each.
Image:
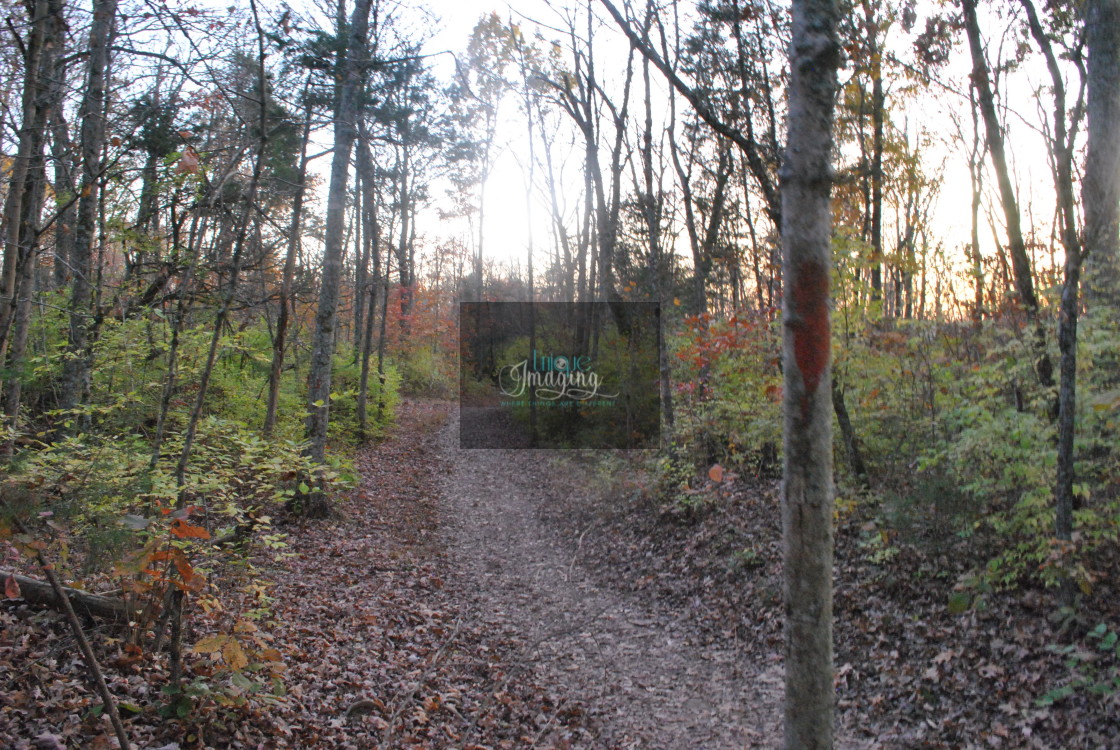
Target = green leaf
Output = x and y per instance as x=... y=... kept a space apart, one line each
x=243 y=682
x=1055 y=695
x=303 y=488
x=959 y=602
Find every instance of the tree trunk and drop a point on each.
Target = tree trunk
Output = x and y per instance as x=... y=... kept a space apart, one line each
x=878 y=105
x=23 y=228
x=848 y=435
x=1101 y=185
x=1100 y=194
x=326 y=316
x=1061 y=151
x=372 y=240
x=76 y=367
x=95 y=605
x=30 y=139
x=976 y=182
x=1016 y=246
x=653 y=207
x=404 y=261
x=63 y=186
x=279 y=342
x=806 y=177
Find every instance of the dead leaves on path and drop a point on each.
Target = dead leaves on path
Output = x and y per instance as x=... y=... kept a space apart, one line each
x=366 y=617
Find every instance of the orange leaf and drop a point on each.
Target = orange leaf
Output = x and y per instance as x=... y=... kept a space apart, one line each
x=188 y=162
x=180 y=529
x=716 y=473
x=11 y=588
x=184 y=568
x=271 y=654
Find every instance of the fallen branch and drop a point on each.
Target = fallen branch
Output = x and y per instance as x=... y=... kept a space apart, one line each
x=62 y=598
x=95 y=605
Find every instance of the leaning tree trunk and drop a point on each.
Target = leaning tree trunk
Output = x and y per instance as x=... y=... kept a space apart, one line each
x=1016 y=245
x=878 y=107
x=326 y=316
x=807 y=488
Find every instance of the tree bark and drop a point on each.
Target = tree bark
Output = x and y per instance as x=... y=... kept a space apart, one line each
x=806 y=179
x=1100 y=195
x=371 y=234
x=326 y=316
x=76 y=367
x=878 y=106
x=976 y=183
x=848 y=436
x=45 y=97
x=30 y=139
x=1101 y=185
x=94 y=605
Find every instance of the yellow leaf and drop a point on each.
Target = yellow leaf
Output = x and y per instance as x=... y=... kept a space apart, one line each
x=211 y=644
x=234 y=655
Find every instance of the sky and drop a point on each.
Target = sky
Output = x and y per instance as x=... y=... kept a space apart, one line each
x=509 y=217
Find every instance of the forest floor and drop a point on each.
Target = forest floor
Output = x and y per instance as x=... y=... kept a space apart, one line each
x=476 y=599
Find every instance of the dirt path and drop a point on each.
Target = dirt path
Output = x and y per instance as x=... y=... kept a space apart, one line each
x=633 y=664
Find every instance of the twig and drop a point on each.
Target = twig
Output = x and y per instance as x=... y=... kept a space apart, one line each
x=404 y=701
x=575 y=555
x=87 y=652
x=83 y=643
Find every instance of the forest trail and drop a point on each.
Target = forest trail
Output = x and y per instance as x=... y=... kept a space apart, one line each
x=632 y=663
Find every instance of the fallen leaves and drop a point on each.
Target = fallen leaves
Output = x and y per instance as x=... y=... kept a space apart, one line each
x=715 y=473
x=366 y=612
